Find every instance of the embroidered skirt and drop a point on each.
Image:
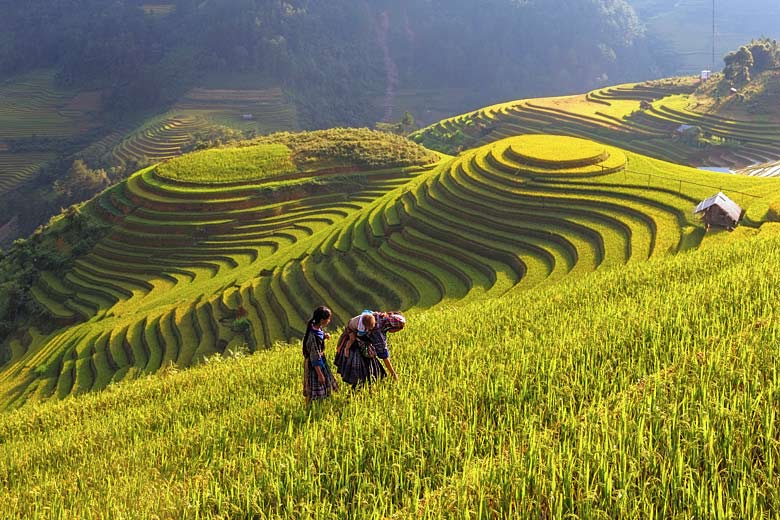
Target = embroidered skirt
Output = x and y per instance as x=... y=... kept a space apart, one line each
x=356 y=369
x=312 y=388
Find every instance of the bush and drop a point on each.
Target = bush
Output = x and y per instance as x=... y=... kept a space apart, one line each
x=22 y=264
x=360 y=147
x=240 y=325
x=81 y=182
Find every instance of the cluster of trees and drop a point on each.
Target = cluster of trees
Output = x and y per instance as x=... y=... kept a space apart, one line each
x=53 y=248
x=751 y=59
x=336 y=56
x=81 y=182
x=350 y=147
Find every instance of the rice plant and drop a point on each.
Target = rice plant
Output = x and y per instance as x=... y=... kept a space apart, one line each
x=644 y=392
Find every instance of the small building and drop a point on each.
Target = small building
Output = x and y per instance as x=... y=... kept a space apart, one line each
x=705 y=75
x=719 y=211
x=688 y=134
x=247 y=117
x=687 y=130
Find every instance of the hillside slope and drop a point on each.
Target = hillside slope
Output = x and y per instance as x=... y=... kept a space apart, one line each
x=185 y=268
x=683 y=29
x=654 y=118
x=644 y=392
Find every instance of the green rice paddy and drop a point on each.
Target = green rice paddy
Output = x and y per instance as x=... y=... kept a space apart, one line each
x=615 y=116
x=244 y=164
x=33 y=106
x=17 y=168
x=577 y=346
x=183 y=257
x=642 y=392
x=261 y=110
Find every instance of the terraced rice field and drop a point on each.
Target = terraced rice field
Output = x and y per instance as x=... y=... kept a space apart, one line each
x=17 y=168
x=184 y=260
x=158 y=140
x=200 y=110
x=613 y=115
x=770 y=169
x=270 y=109
x=31 y=104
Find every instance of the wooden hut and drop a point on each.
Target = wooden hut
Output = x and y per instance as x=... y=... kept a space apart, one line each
x=719 y=211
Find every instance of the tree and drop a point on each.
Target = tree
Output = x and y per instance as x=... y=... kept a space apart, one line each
x=81 y=182
x=766 y=54
x=738 y=65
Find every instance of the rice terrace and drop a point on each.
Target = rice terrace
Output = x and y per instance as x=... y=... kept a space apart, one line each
x=580 y=289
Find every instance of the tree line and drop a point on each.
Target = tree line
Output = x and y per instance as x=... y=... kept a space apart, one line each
x=335 y=56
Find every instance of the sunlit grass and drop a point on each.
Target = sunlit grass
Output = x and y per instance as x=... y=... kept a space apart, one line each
x=645 y=392
x=467 y=228
x=225 y=165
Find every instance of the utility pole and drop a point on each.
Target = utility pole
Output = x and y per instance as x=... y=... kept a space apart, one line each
x=713 y=35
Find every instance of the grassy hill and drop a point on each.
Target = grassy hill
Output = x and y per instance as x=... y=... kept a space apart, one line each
x=616 y=116
x=648 y=391
x=204 y=254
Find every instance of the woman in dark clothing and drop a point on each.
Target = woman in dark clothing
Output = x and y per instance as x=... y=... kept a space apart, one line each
x=363 y=344
x=318 y=380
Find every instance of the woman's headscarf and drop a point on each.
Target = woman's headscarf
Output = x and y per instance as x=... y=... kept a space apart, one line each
x=390 y=321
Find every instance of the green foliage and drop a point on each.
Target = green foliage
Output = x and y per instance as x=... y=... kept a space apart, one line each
x=328 y=53
x=230 y=165
x=81 y=182
x=403 y=127
x=751 y=59
x=51 y=248
x=738 y=65
x=765 y=54
x=213 y=137
x=626 y=394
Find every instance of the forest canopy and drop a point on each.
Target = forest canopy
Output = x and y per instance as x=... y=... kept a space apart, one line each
x=336 y=56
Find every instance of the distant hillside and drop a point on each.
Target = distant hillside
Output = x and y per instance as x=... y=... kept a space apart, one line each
x=123 y=84
x=677 y=119
x=681 y=30
x=759 y=99
x=47 y=127
x=345 y=60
